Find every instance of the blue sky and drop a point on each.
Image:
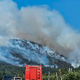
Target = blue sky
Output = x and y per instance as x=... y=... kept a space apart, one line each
x=69 y=9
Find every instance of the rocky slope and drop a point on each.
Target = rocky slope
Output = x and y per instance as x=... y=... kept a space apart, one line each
x=21 y=52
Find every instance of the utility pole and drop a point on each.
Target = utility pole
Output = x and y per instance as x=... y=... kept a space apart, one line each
x=49 y=75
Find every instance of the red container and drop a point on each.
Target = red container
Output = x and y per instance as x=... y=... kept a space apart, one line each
x=33 y=72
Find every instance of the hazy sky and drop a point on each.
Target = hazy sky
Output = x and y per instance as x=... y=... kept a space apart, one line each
x=48 y=22
x=69 y=9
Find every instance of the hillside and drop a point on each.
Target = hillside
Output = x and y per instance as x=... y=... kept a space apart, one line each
x=21 y=52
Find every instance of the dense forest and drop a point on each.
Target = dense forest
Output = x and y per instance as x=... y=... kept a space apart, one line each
x=48 y=73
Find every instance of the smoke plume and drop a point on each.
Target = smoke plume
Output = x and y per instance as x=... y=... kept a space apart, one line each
x=41 y=25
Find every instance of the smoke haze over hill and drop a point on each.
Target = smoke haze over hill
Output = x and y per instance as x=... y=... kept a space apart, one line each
x=41 y=25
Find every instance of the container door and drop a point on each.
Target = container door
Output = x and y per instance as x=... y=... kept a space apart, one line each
x=33 y=74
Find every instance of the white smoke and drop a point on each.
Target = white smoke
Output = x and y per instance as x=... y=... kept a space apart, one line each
x=38 y=24
x=74 y=57
x=8 y=15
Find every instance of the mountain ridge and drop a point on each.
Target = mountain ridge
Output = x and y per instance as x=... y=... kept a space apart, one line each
x=22 y=52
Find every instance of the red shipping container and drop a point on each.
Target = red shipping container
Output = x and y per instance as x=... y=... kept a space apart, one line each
x=33 y=72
